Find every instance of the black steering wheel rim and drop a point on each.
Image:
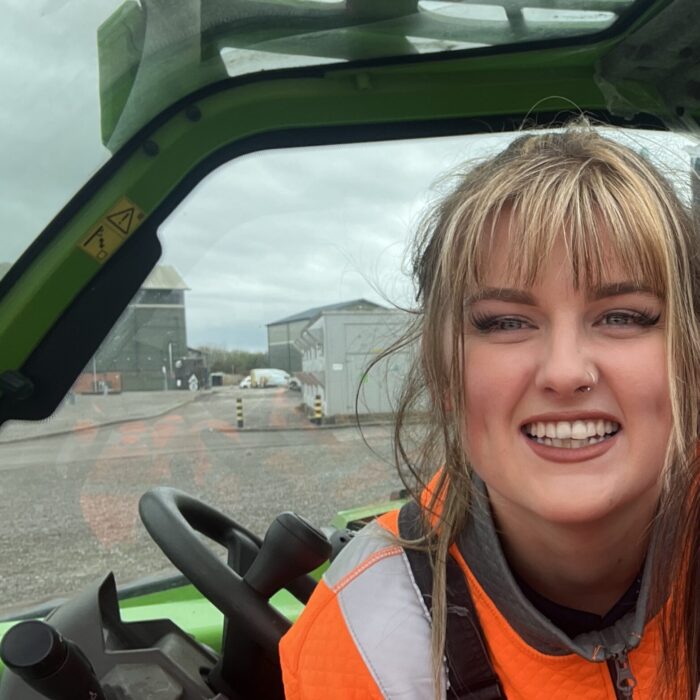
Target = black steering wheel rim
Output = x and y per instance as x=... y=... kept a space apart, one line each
x=173 y=518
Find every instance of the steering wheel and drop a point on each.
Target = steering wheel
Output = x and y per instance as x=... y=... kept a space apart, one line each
x=249 y=665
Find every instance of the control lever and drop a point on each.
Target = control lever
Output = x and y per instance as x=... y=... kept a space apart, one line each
x=50 y=664
x=292 y=547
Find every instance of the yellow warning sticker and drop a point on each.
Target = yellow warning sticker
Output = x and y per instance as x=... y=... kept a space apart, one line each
x=101 y=242
x=105 y=237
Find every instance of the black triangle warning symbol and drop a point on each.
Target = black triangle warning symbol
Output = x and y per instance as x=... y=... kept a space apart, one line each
x=122 y=220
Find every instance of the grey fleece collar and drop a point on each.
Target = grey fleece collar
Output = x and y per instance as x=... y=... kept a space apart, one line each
x=481 y=549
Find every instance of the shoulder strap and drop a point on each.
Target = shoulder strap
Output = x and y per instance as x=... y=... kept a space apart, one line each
x=469 y=670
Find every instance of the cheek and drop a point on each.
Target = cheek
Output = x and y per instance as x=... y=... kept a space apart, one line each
x=641 y=378
x=494 y=383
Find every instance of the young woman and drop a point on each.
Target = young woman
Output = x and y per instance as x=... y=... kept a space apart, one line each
x=559 y=339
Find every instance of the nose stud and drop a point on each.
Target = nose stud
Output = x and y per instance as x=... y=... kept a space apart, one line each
x=592 y=381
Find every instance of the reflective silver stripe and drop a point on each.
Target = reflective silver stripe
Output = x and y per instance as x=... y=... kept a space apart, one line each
x=385 y=614
x=366 y=542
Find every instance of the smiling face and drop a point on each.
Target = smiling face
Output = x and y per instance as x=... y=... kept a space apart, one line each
x=567 y=407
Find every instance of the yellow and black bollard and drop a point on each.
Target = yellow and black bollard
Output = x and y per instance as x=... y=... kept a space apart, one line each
x=239 y=413
x=318 y=411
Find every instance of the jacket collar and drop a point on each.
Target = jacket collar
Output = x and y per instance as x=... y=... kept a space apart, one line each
x=481 y=548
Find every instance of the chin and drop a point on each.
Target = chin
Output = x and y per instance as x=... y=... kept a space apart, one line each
x=583 y=513
x=580 y=504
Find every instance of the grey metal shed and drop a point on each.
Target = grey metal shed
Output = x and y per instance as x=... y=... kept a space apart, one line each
x=282 y=349
x=337 y=347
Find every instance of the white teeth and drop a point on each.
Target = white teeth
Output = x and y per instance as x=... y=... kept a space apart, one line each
x=571 y=434
x=563 y=430
x=570 y=443
x=579 y=430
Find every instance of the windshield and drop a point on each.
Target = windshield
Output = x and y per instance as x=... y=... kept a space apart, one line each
x=80 y=77
x=234 y=371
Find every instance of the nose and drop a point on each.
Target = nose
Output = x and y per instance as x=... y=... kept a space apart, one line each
x=566 y=364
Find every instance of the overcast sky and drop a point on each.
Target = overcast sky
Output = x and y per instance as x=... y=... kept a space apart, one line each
x=264 y=237
x=275 y=233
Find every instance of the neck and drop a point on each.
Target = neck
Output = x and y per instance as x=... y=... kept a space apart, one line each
x=585 y=566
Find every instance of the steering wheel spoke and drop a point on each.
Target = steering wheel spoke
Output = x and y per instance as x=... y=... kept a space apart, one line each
x=241 y=589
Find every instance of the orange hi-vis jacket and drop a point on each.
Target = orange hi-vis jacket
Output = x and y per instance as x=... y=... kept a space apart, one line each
x=365 y=632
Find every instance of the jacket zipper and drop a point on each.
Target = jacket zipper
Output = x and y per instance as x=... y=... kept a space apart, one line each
x=623 y=679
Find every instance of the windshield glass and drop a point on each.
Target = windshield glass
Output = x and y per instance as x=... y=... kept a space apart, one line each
x=50 y=114
x=80 y=77
x=234 y=371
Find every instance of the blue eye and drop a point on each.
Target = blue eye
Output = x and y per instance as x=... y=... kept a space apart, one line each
x=613 y=319
x=489 y=324
x=619 y=319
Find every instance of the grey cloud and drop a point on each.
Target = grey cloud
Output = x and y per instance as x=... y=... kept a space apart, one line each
x=49 y=117
x=278 y=232
x=262 y=240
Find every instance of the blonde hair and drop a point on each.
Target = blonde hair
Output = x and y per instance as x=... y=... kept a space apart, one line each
x=593 y=194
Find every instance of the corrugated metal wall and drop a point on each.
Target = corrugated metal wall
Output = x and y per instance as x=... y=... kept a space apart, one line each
x=350 y=341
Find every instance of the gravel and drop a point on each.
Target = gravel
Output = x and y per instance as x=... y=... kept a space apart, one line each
x=69 y=503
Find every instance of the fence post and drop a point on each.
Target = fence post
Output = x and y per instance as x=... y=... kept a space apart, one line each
x=318 y=411
x=239 y=413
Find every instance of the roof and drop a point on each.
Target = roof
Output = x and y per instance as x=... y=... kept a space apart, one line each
x=164 y=277
x=355 y=304
x=199 y=43
x=309 y=378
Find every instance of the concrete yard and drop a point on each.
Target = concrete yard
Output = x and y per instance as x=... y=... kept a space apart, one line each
x=69 y=486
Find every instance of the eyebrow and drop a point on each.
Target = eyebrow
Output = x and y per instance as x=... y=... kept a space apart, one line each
x=520 y=296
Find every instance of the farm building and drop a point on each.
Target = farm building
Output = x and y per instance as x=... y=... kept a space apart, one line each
x=283 y=334
x=150 y=337
x=337 y=347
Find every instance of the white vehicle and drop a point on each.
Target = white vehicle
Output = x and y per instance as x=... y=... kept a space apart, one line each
x=245 y=383
x=268 y=377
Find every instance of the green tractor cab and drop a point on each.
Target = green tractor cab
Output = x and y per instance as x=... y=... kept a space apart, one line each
x=197 y=189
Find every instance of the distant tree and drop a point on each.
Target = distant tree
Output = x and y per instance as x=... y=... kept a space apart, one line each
x=233 y=361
